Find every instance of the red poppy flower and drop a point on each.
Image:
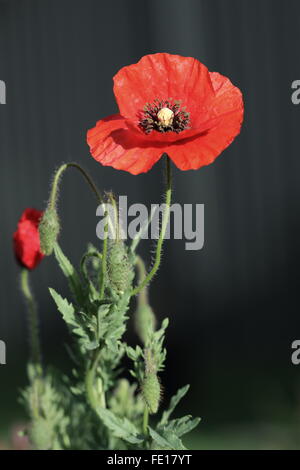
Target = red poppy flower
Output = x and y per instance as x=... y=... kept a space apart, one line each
x=26 y=239
x=168 y=104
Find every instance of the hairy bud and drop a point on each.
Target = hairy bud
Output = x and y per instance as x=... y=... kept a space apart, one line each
x=151 y=391
x=49 y=229
x=119 y=269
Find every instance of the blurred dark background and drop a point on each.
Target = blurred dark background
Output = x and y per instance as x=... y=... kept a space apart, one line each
x=234 y=306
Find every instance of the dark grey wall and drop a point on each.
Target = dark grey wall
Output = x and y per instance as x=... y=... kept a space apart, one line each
x=234 y=306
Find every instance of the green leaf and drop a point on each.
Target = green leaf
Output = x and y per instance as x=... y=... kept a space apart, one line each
x=173 y=403
x=121 y=428
x=182 y=426
x=68 y=314
x=70 y=273
x=65 y=308
x=134 y=354
x=167 y=440
x=47 y=400
x=103 y=322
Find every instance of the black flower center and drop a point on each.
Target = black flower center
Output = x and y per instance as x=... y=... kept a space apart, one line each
x=164 y=116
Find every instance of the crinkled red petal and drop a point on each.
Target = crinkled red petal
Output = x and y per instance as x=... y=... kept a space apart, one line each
x=112 y=143
x=227 y=116
x=162 y=76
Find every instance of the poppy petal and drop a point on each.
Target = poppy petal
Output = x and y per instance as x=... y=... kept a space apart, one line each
x=163 y=76
x=113 y=144
x=226 y=116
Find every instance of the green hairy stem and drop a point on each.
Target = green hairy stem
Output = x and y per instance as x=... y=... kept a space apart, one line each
x=165 y=220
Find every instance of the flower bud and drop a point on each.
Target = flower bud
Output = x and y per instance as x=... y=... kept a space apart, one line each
x=151 y=391
x=26 y=239
x=49 y=229
x=119 y=269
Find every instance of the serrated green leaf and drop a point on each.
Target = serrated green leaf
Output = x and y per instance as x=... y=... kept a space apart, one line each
x=167 y=440
x=103 y=322
x=181 y=426
x=173 y=403
x=68 y=314
x=134 y=354
x=65 y=308
x=70 y=273
x=121 y=428
x=131 y=353
x=91 y=345
x=112 y=345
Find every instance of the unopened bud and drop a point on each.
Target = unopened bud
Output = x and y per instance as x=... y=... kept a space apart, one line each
x=151 y=391
x=119 y=269
x=49 y=229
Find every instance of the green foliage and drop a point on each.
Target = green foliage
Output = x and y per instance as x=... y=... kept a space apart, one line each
x=165 y=441
x=71 y=274
x=46 y=404
x=125 y=401
x=94 y=407
x=79 y=324
x=182 y=426
x=120 y=427
x=168 y=432
x=173 y=403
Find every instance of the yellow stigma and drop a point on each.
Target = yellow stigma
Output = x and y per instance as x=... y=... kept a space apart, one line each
x=165 y=117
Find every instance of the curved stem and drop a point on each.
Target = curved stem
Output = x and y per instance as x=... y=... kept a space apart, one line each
x=90 y=384
x=35 y=350
x=86 y=256
x=52 y=204
x=55 y=186
x=164 y=225
x=58 y=175
x=83 y=267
